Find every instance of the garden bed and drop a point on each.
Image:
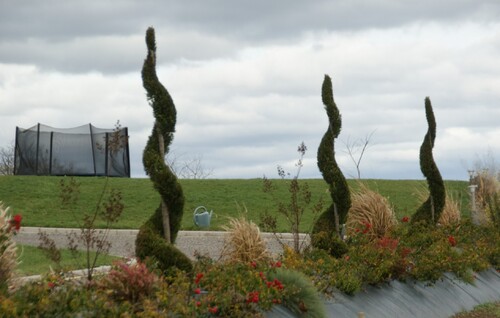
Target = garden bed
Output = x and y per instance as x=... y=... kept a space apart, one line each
x=445 y=298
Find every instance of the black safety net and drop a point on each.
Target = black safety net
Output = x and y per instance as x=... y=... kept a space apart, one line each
x=81 y=151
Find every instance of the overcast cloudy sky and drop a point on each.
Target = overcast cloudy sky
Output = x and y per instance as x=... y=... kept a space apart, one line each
x=246 y=78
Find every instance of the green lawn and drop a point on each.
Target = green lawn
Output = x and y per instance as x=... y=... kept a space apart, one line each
x=33 y=261
x=37 y=198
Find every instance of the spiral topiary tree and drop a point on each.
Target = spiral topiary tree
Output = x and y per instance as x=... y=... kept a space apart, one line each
x=430 y=211
x=331 y=220
x=156 y=237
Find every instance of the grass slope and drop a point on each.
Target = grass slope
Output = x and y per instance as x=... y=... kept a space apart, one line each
x=37 y=198
x=32 y=261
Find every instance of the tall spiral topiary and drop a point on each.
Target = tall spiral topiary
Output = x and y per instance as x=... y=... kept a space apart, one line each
x=156 y=237
x=331 y=220
x=430 y=211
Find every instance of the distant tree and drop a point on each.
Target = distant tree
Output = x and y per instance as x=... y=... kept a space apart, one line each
x=156 y=237
x=188 y=167
x=356 y=150
x=7 y=160
x=431 y=209
x=335 y=216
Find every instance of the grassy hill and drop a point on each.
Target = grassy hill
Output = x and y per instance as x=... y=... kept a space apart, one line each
x=37 y=198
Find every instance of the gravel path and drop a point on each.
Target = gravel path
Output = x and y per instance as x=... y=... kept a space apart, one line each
x=207 y=243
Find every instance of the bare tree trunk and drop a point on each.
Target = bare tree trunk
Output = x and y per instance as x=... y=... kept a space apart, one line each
x=164 y=208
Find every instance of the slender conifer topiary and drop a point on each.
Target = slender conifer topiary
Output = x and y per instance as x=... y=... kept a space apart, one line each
x=156 y=237
x=430 y=211
x=331 y=220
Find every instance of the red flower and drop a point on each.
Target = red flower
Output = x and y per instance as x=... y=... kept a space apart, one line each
x=368 y=226
x=262 y=276
x=51 y=285
x=451 y=240
x=347 y=257
x=15 y=222
x=253 y=264
x=277 y=284
x=199 y=276
x=253 y=297
x=276 y=301
x=197 y=291
x=387 y=242
x=405 y=251
x=278 y=264
x=213 y=309
x=198 y=303
x=405 y=219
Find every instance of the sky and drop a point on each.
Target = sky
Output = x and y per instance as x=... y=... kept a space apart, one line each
x=246 y=77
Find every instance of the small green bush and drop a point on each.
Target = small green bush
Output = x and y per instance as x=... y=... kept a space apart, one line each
x=129 y=282
x=150 y=244
x=302 y=297
x=330 y=242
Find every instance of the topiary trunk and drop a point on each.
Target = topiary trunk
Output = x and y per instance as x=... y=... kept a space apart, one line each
x=331 y=220
x=157 y=235
x=430 y=211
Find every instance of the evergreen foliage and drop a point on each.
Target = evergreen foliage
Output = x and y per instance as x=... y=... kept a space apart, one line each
x=336 y=213
x=430 y=211
x=151 y=240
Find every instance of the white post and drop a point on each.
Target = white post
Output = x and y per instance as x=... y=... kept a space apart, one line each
x=474 y=214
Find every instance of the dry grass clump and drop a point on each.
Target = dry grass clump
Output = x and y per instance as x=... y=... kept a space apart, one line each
x=488 y=188
x=451 y=212
x=243 y=242
x=8 y=251
x=370 y=213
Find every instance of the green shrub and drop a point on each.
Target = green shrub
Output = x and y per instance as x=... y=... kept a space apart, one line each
x=302 y=297
x=336 y=215
x=158 y=234
x=430 y=211
x=330 y=242
x=150 y=244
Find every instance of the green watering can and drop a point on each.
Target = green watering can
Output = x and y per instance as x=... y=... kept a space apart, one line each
x=202 y=217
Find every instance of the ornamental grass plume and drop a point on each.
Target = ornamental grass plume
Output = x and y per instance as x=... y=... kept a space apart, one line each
x=370 y=213
x=243 y=242
x=8 y=250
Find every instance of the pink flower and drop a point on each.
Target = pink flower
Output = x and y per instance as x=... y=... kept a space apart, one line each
x=197 y=291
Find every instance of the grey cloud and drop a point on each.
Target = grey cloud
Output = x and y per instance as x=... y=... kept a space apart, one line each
x=74 y=36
